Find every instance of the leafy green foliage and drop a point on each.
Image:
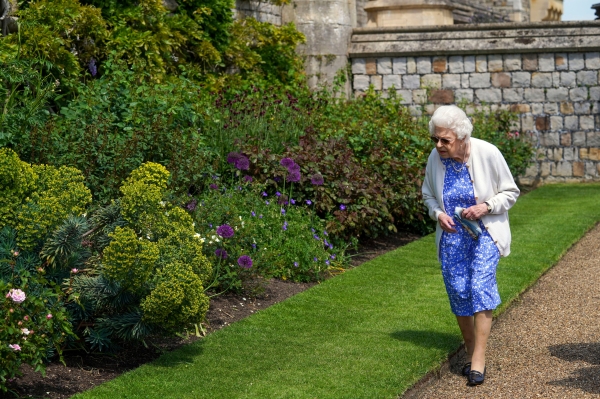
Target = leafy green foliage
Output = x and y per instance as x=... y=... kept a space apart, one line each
x=24 y=95
x=39 y=197
x=283 y=238
x=153 y=264
x=497 y=129
x=35 y=326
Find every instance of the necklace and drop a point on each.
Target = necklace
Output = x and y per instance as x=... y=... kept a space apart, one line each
x=462 y=164
x=458 y=170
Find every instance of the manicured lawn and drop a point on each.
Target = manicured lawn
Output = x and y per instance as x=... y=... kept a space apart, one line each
x=369 y=333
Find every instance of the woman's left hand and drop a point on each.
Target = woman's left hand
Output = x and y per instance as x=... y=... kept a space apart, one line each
x=475 y=212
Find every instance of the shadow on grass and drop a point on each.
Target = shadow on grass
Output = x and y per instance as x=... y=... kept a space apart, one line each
x=586 y=378
x=428 y=339
x=181 y=356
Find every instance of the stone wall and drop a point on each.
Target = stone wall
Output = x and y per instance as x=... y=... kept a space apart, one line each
x=262 y=11
x=547 y=72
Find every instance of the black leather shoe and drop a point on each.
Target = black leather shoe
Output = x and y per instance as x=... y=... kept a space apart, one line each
x=476 y=378
x=466 y=369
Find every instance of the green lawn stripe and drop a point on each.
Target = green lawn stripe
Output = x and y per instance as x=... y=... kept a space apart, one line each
x=369 y=333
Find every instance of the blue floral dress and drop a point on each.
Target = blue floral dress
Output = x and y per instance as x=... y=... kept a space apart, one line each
x=468 y=265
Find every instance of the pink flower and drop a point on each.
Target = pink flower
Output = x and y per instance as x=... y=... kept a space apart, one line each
x=14 y=347
x=49 y=316
x=16 y=253
x=26 y=318
x=74 y=270
x=16 y=295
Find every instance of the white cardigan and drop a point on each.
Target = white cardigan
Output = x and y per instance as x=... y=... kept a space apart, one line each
x=492 y=183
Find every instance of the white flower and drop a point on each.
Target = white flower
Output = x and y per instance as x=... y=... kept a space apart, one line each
x=162 y=203
x=197 y=235
x=25 y=331
x=240 y=218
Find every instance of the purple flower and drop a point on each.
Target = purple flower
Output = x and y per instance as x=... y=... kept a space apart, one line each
x=282 y=211
x=278 y=194
x=253 y=213
x=293 y=177
x=325 y=232
x=327 y=262
x=264 y=194
x=210 y=225
x=316 y=237
x=225 y=231
x=267 y=202
x=260 y=217
x=221 y=253
x=332 y=256
x=190 y=206
x=343 y=207
x=293 y=201
x=308 y=202
x=233 y=157
x=242 y=163
x=92 y=67
x=287 y=162
x=245 y=261
x=326 y=243
x=294 y=168
x=254 y=246
x=213 y=186
x=315 y=259
x=248 y=179
x=317 y=179
x=285 y=225
x=295 y=264
x=277 y=179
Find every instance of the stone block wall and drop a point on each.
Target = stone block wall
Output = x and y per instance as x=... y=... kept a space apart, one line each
x=556 y=93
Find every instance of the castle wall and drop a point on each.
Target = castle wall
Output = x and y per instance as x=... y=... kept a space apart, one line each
x=547 y=72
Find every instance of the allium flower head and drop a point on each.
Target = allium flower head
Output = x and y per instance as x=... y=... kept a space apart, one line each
x=317 y=180
x=233 y=157
x=16 y=295
x=293 y=177
x=245 y=261
x=242 y=163
x=287 y=162
x=191 y=206
x=221 y=253
x=225 y=231
x=294 y=168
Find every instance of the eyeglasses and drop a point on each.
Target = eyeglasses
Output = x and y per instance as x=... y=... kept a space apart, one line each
x=444 y=141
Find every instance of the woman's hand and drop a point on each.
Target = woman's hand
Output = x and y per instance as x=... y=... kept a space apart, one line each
x=447 y=223
x=475 y=212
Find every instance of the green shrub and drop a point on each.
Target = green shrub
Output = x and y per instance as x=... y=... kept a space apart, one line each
x=24 y=95
x=149 y=274
x=35 y=325
x=497 y=128
x=38 y=197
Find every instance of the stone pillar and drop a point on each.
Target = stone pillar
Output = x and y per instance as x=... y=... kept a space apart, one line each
x=327 y=25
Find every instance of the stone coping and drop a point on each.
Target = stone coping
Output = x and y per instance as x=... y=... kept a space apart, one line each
x=495 y=38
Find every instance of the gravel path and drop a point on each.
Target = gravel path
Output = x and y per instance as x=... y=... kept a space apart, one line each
x=545 y=346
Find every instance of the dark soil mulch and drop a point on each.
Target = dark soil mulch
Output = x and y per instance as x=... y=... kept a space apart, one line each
x=83 y=371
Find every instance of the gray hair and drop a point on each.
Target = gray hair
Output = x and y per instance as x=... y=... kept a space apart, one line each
x=453 y=118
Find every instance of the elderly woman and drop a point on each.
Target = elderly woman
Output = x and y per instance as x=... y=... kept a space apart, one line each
x=468 y=189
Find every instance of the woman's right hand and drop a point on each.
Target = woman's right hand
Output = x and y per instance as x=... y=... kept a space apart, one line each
x=447 y=223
